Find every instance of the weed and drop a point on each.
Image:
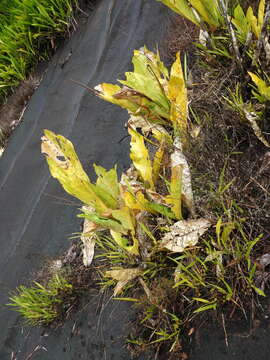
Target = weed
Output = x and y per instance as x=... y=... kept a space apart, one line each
x=42 y=304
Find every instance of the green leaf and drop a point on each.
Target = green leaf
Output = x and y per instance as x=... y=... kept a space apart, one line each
x=124 y=216
x=103 y=222
x=241 y=23
x=147 y=63
x=107 y=180
x=107 y=187
x=161 y=209
x=182 y=8
x=258 y=291
x=206 y=307
x=208 y=11
x=149 y=87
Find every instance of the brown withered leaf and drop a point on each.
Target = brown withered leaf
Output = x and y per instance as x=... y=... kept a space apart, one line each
x=123 y=276
x=88 y=239
x=184 y=233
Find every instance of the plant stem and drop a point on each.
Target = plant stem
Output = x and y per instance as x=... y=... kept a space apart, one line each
x=232 y=34
x=263 y=38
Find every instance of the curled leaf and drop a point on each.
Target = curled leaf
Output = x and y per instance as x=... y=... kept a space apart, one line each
x=157 y=162
x=180 y=186
x=147 y=127
x=67 y=169
x=88 y=250
x=140 y=157
x=126 y=98
x=177 y=94
x=88 y=238
x=183 y=234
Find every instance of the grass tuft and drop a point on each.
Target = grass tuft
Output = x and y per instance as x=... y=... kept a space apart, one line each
x=42 y=304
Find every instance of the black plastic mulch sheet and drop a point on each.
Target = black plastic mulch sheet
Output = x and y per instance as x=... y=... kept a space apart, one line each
x=34 y=218
x=37 y=217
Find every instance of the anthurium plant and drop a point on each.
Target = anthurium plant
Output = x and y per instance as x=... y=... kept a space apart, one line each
x=151 y=91
x=158 y=184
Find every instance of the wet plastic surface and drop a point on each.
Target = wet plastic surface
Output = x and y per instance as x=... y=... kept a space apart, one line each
x=241 y=345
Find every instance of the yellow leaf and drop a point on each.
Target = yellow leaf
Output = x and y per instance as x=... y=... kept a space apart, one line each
x=66 y=168
x=107 y=182
x=174 y=198
x=132 y=201
x=251 y=18
x=183 y=185
x=263 y=88
x=125 y=97
x=256 y=23
x=182 y=8
x=208 y=11
x=140 y=157
x=123 y=276
x=137 y=201
x=157 y=162
x=261 y=15
x=177 y=94
x=123 y=242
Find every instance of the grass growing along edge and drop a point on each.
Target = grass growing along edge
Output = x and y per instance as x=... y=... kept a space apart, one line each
x=28 y=30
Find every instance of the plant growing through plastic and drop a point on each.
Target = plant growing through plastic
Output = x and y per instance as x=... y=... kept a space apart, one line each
x=41 y=304
x=151 y=92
